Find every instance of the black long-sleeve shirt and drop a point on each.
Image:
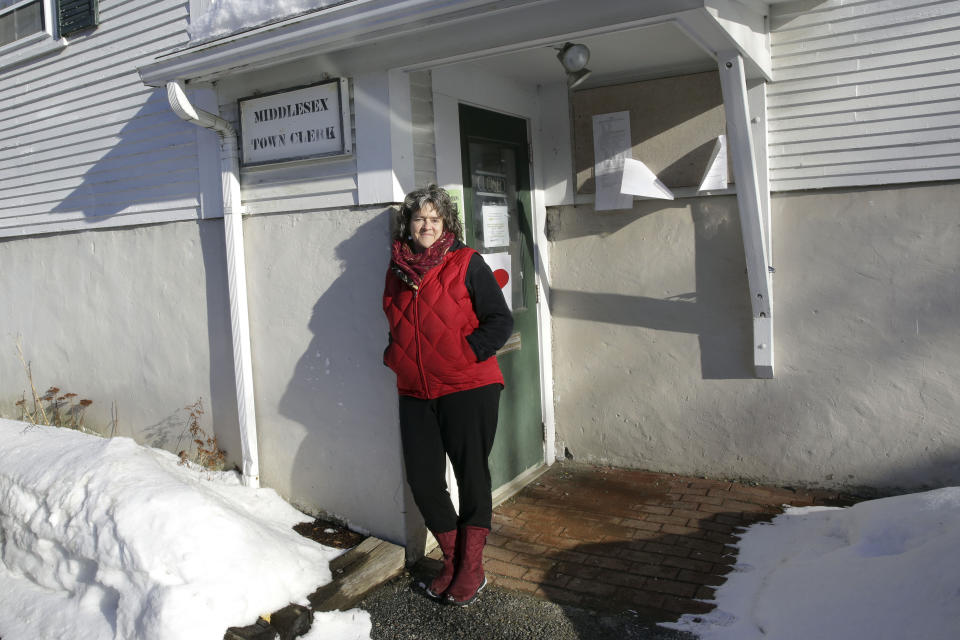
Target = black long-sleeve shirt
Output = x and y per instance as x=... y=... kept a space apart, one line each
x=496 y=321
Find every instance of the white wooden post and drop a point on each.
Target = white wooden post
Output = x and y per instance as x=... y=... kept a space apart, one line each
x=384 y=145
x=740 y=142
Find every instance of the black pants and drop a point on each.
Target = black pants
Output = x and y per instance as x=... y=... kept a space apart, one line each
x=461 y=425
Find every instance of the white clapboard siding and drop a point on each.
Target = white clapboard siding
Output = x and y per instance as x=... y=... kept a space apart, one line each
x=83 y=143
x=117 y=198
x=166 y=159
x=54 y=191
x=303 y=185
x=847 y=156
x=168 y=211
x=813 y=14
x=864 y=76
x=137 y=36
x=925 y=16
x=92 y=155
x=138 y=136
x=824 y=122
x=79 y=114
x=855 y=128
x=865 y=92
x=855 y=146
x=104 y=124
x=424 y=143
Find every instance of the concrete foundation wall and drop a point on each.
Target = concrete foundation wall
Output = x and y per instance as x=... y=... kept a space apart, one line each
x=134 y=316
x=326 y=405
x=652 y=339
x=140 y=317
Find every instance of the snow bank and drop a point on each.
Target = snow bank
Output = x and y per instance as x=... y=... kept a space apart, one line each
x=104 y=538
x=230 y=16
x=336 y=625
x=882 y=569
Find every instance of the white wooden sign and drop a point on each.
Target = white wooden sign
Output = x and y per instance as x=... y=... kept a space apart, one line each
x=308 y=122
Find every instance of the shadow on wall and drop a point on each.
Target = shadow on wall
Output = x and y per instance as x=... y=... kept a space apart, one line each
x=147 y=165
x=221 y=406
x=694 y=162
x=718 y=312
x=666 y=115
x=780 y=19
x=340 y=390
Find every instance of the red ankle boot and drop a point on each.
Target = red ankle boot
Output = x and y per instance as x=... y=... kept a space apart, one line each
x=469 y=580
x=448 y=545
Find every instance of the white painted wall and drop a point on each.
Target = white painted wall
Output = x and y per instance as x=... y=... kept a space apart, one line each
x=652 y=345
x=84 y=143
x=140 y=316
x=864 y=93
x=326 y=405
x=556 y=156
x=133 y=316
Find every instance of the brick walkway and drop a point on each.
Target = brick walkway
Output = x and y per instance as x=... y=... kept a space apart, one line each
x=616 y=539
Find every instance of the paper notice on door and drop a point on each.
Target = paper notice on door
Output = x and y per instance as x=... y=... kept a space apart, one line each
x=499 y=263
x=716 y=176
x=496 y=232
x=611 y=145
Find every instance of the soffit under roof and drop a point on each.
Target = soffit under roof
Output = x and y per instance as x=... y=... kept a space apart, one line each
x=653 y=51
x=629 y=39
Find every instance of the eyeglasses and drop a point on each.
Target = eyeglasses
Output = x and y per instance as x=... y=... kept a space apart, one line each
x=432 y=221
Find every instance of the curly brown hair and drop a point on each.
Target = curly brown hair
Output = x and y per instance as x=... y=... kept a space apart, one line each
x=414 y=201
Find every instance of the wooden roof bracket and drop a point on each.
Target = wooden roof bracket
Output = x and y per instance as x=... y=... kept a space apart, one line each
x=753 y=199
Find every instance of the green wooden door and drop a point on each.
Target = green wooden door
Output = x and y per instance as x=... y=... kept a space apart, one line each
x=496 y=182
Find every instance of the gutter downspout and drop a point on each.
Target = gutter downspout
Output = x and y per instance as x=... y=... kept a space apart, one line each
x=236 y=273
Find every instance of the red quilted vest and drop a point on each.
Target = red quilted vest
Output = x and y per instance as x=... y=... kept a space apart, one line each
x=429 y=352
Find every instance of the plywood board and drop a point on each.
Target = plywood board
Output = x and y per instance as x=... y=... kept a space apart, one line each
x=674 y=123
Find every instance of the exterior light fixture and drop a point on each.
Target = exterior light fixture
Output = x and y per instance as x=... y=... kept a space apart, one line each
x=574 y=58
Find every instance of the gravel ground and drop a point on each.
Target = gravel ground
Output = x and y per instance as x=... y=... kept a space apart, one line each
x=400 y=612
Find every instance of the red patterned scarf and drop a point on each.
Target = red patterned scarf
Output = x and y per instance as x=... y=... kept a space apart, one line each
x=411 y=266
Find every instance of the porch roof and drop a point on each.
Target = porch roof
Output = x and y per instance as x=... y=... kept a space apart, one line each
x=366 y=35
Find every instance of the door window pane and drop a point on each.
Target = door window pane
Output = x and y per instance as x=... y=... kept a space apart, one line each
x=495 y=219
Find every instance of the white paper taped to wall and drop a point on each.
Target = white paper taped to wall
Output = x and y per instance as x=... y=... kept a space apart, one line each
x=611 y=146
x=716 y=176
x=638 y=180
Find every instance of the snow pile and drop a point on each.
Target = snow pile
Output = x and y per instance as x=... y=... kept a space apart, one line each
x=224 y=17
x=104 y=538
x=882 y=569
x=340 y=625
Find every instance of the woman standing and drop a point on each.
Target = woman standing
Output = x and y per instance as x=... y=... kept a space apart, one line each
x=447 y=319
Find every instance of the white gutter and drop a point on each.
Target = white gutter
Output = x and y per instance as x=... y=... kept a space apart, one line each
x=236 y=273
